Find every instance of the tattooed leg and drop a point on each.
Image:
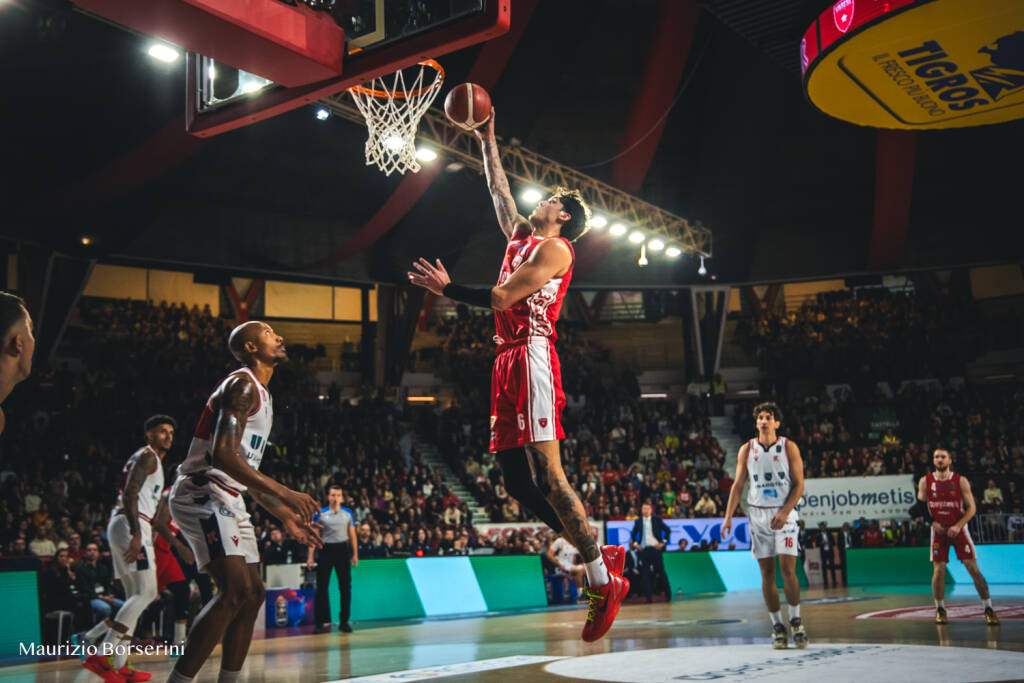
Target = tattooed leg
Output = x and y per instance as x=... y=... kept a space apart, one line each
x=547 y=463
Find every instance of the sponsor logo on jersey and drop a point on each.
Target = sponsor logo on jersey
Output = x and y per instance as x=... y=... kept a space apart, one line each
x=767 y=476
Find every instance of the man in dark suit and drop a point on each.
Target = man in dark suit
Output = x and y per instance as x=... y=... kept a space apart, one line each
x=846 y=538
x=649 y=537
x=631 y=570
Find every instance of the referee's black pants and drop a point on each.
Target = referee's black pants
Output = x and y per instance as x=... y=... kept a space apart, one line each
x=336 y=556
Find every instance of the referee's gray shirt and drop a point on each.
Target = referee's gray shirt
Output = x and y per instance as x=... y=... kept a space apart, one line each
x=336 y=524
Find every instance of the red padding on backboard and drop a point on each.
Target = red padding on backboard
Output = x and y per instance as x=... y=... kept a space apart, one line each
x=285 y=44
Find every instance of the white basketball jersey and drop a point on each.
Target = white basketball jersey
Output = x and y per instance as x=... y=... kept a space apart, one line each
x=152 y=486
x=768 y=471
x=254 y=438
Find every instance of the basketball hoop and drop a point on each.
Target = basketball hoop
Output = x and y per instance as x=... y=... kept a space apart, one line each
x=393 y=113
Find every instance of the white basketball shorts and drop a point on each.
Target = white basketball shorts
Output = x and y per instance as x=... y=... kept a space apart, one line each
x=213 y=518
x=767 y=542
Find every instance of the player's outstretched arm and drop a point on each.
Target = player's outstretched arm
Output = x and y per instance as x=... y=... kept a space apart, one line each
x=737 y=487
x=497 y=183
x=237 y=399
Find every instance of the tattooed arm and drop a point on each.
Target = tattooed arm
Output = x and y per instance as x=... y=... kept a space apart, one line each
x=501 y=194
x=143 y=466
x=237 y=399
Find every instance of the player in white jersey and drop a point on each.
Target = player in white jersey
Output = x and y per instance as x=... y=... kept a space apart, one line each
x=773 y=466
x=131 y=548
x=206 y=502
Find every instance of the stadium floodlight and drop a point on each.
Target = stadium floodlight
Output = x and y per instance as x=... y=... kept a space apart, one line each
x=655 y=245
x=531 y=195
x=702 y=270
x=617 y=230
x=597 y=221
x=165 y=53
x=394 y=142
x=673 y=252
x=425 y=154
x=322 y=114
x=636 y=237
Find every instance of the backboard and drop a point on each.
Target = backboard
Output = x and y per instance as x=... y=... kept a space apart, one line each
x=249 y=60
x=380 y=37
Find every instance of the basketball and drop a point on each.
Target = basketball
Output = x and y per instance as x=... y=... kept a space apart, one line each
x=468 y=106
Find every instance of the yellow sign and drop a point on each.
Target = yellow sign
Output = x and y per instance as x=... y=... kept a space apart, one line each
x=932 y=64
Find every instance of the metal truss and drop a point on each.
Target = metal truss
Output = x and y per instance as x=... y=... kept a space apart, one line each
x=526 y=166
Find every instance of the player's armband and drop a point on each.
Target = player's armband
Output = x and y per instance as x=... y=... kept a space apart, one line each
x=474 y=296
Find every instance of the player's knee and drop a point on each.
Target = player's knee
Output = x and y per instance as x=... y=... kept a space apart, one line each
x=147 y=590
x=234 y=596
x=257 y=594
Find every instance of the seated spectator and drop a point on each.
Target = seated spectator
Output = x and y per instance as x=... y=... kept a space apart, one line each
x=705 y=507
x=992 y=500
x=96 y=579
x=41 y=545
x=279 y=550
x=872 y=536
x=62 y=591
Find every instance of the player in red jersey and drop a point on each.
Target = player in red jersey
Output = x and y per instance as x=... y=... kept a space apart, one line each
x=526 y=383
x=946 y=494
x=168 y=572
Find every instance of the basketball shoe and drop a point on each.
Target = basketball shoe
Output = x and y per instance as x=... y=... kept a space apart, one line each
x=614 y=558
x=130 y=673
x=798 y=633
x=941 y=618
x=604 y=606
x=102 y=667
x=780 y=640
x=990 y=617
x=82 y=643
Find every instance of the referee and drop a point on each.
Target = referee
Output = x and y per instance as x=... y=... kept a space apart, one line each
x=340 y=548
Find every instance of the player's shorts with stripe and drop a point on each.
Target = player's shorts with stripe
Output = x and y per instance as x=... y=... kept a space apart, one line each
x=765 y=541
x=526 y=394
x=120 y=537
x=962 y=542
x=213 y=519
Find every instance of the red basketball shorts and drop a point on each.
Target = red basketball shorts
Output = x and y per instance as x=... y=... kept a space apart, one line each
x=168 y=570
x=962 y=542
x=526 y=394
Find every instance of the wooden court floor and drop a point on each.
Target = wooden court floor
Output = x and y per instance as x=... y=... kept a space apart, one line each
x=707 y=637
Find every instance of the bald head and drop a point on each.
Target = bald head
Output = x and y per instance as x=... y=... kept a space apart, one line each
x=242 y=335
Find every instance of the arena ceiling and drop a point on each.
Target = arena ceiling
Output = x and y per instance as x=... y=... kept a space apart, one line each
x=94 y=145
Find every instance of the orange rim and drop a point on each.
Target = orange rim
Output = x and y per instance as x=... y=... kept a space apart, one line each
x=402 y=95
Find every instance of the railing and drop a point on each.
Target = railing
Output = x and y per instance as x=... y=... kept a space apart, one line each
x=997 y=528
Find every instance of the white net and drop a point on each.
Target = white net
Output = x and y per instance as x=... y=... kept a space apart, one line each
x=393 y=112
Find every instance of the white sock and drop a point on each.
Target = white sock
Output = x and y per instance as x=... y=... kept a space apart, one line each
x=226 y=676
x=940 y=603
x=97 y=631
x=794 y=612
x=776 y=617
x=113 y=637
x=987 y=602
x=597 y=573
x=179 y=631
x=121 y=652
x=176 y=677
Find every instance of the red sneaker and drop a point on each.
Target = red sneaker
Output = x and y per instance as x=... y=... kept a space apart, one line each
x=604 y=606
x=130 y=673
x=614 y=558
x=102 y=667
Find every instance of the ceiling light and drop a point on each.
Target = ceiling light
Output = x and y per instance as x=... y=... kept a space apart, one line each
x=211 y=72
x=164 y=53
x=394 y=142
x=531 y=195
x=426 y=154
x=636 y=237
x=702 y=270
x=322 y=114
x=643 y=256
x=597 y=222
x=86 y=240
x=617 y=230
x=673 y=252
x=655 y=245
x=251 y=86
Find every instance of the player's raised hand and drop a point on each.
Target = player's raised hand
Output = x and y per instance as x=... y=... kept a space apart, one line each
x=306 y=534
x=485 y=131
x=433 y=278
x=302 y=505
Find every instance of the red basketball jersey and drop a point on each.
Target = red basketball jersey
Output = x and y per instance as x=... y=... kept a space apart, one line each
x=535 y=315
x=945 y=502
